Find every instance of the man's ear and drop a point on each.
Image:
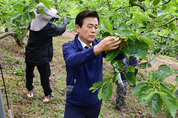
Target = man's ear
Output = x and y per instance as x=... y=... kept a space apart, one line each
x=77 y=27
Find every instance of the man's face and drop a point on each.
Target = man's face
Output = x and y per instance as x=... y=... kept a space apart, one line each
x=88 y=30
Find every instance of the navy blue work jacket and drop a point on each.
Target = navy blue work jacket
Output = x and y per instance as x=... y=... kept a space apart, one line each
x=83 y=69
x=39 y=49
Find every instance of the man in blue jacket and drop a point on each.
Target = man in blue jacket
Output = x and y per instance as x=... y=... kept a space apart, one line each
x=84 y=66
x=39 y=50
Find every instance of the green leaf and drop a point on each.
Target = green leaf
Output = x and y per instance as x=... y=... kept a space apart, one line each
x=151 y=75
x=142 y=65
x=153 y=61
x=146 y=40
x=97 y=84
x=92 y=88
x=161 y=12
x=167 y=112
x=19 y=7
x=125 y=54
x=112 y=54
x=106 y=26
x=144 y=58
x=124 y=32
x=165 y=88
x=41 y=10
x=173 y=26
x=107 y=79
x=116 y=63
x=100 y=94
x=31 y=9
x=130 y=77
x=170 y=103
x=155 y=2
x=168 y=7
x=176 y=79
x=107 y=91
x=30 y=16
x=114 y=78
x=149 y=95
x=15 y=16
x=141 y=95
x=155 y=104
x=164 y=71
x=37 y=1
x=151 y=35
x=163 y=7
x=139 y=18
x=141 y=48
x=47 y=3
x=129 y=49
x=122 y=26
x=130 y=68
x=138 y=87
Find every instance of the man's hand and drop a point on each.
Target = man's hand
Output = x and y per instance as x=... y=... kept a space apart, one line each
x=107 y=44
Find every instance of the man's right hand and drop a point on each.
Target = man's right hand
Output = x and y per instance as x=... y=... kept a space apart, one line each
x=107 y=44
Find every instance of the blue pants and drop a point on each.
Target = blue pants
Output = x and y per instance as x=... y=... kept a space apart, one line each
x=75 y=111
x=44 y=71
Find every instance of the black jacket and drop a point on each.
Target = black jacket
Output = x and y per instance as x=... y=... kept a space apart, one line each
x=39 y=49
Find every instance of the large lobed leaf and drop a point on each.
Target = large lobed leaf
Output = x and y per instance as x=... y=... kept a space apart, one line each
x=141 y=48
x=116 y=63
x=112 y=54
x=129 y=49
x=138 y=87
x=107 y=91
x=130 y=77
x=106 y=26
x=141 y=95
x=123 y=32
x=170 y=103
x=155 y=104
x=164 y=71
x=146 y=40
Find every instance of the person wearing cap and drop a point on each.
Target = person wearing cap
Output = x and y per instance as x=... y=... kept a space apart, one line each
x=39 y=49
x=84 y=65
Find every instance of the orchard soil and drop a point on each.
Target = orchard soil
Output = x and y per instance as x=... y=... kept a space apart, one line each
x=9 y=50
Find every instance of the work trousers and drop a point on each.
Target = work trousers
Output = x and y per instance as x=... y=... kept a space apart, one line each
x=121 y=89
x=45 y=73
x=75 y=111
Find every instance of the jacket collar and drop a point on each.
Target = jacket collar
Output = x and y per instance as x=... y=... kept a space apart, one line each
x=79 y=45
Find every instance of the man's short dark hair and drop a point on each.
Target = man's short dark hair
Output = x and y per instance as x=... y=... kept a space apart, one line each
x=84 y=14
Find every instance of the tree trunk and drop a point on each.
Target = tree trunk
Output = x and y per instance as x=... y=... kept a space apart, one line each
x=15 y=36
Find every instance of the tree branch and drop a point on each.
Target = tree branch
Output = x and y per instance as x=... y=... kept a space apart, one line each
x=109 y=5
x=160 y=51
x=139 y=5
x=162 y=25
x=5 y=34
x=15 y=36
